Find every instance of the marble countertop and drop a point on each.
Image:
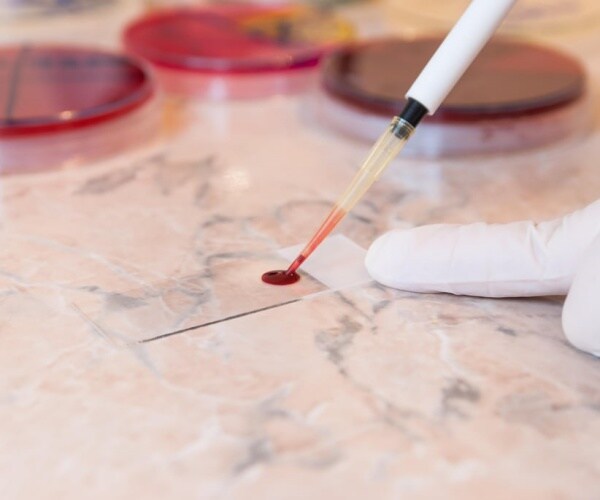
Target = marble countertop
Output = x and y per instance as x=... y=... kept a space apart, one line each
x=359 y=392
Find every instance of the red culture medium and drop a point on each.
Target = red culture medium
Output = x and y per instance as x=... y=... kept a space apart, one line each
x=236 y=51
x=55 y=88
x=226 y=38
x=508 y=78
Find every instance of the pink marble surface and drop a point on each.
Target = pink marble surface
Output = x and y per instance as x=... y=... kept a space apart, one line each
x=361 y=393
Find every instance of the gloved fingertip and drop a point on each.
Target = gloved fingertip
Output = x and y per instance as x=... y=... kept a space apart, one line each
x=579 y=333
x=383 y=255
x=581 y=315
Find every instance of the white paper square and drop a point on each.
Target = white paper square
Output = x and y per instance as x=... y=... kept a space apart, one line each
x=337 y=263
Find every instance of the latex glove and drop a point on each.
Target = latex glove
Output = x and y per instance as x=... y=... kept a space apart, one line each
x=503 y=260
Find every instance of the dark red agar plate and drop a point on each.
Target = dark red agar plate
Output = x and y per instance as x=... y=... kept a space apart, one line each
x=515 y=96
x=508 y=78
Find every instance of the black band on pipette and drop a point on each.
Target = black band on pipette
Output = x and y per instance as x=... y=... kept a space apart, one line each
x=413 y=112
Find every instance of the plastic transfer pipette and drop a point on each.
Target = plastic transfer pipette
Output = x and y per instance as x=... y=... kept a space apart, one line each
x=434 y=83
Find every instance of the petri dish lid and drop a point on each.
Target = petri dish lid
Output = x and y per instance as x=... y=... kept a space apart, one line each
x=235 y=38
x=26 y=8
x=56 y=88
x=508 y=78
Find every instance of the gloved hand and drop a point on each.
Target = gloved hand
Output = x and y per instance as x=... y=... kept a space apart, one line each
x=503 y=260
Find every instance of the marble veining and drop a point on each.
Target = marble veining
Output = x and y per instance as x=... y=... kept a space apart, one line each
x=141 y=356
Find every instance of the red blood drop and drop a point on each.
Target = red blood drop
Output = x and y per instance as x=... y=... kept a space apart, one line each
x=280 y=277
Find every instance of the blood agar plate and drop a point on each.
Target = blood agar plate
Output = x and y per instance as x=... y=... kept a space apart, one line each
x=235 y=51
x=62 y=105
x=515 y=95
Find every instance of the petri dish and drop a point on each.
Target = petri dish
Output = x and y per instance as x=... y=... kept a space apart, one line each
x=61 y=105
x=515 y=95
x=235 y=51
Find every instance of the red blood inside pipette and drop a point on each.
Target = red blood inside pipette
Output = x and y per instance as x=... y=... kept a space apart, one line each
x=290 y=275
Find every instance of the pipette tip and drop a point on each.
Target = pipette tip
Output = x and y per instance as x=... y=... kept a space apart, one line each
x=296 y=264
